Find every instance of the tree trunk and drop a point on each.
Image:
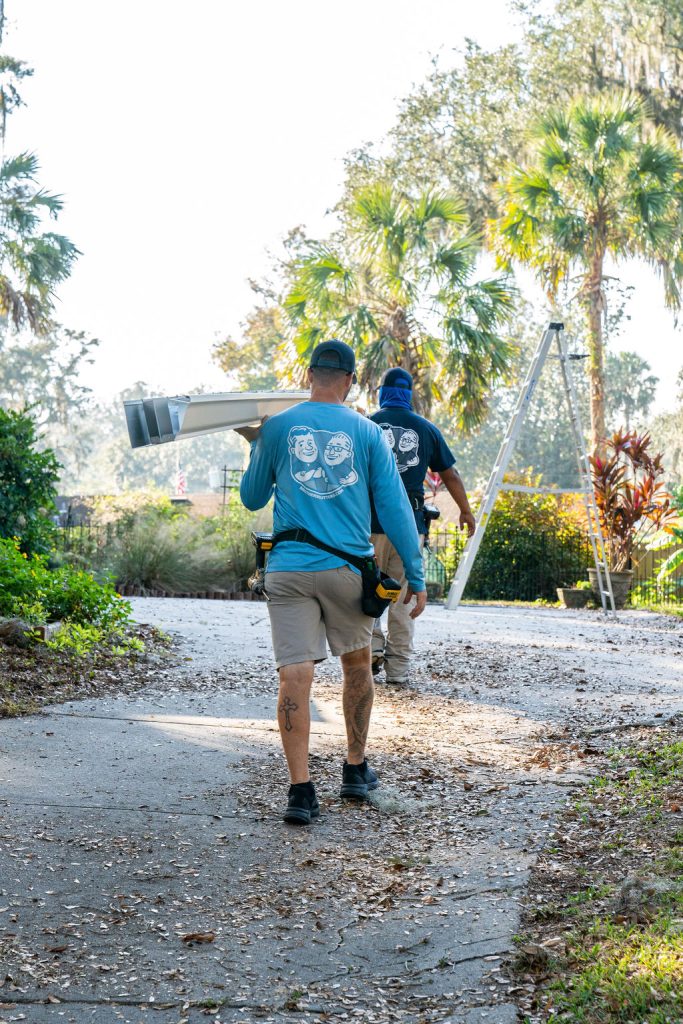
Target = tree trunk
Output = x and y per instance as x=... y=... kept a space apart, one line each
x=398 y=329
x=596 y=357
x=422 y=382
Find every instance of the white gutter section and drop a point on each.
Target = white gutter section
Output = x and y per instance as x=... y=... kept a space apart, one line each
x=160 y=420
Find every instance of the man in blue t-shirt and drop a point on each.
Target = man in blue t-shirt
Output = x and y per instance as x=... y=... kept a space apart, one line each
x=321 y=460
x=417 y=445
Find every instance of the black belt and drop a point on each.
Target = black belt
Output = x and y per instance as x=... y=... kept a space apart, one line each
x=304 y=537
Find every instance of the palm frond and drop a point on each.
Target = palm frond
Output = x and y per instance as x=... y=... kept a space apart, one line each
x=294 y=305
x=376 y=206
x=45 y=260
x=658 y=158
x=380 y=214
x=24 y=166
x=569 y=232
x=439 y=206
x=357 y=326
x=554 y=122
x=555 y=156
x=319 y=278
x=671 y=272
x=607 y=125
x=456 y=260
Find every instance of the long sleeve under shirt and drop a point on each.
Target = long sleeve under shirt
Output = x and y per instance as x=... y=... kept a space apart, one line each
x=322 y=461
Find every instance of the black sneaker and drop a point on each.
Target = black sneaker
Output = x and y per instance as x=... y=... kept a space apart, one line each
x=302 y=804
x=377 y=665
x=357 y=781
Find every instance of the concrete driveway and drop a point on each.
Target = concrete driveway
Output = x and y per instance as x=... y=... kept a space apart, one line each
x=146 y=874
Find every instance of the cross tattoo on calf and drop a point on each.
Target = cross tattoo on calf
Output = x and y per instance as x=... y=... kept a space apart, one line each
x=286 y=708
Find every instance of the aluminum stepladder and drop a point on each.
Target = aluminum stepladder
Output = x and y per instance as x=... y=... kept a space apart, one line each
x=554 y=333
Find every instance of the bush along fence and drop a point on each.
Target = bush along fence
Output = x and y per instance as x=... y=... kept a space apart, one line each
x=519 y=564
x=155 y=553
x=525 y=565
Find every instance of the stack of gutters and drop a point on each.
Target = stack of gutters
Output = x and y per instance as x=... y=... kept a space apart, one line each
x=160 y=420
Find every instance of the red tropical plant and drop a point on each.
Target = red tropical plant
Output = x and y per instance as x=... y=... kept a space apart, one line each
x=632 y=500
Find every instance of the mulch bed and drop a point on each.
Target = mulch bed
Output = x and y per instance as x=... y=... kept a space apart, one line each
x=35 y=676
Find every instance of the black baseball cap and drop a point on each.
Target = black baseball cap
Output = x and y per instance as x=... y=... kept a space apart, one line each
x=333 y=355
x=397 y=377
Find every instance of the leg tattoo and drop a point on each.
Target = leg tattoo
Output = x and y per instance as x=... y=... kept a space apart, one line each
x=286 y=709
x=360 y=721
x=358 y=695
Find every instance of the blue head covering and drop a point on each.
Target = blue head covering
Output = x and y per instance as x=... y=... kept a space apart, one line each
x=396 y=389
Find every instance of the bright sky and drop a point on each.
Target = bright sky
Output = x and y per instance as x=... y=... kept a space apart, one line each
x=187 y=139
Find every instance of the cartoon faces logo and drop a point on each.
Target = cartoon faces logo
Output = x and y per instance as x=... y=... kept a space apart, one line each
x=304 y=447
x=405 y=445
x=321 y=461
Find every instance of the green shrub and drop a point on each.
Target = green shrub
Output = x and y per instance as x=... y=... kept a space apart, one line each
x=31 y=591
x=231 y=533
x=533 y=544
x=28 y=481
x=156 y=554
x=122 y=508
x=153 y=550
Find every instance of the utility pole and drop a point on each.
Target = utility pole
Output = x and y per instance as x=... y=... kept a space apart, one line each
x=224 y=487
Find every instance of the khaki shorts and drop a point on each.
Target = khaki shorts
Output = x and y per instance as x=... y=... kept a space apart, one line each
x=308 y=607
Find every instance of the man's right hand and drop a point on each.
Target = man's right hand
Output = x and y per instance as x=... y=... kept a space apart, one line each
x=420 y=601
x=250 y=433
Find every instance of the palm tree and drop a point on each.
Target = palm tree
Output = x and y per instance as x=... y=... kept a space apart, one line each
x=398 y=284
x=32 y=261
x=601 y=182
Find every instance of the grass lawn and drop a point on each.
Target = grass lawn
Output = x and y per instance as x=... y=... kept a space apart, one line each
x=603 y=927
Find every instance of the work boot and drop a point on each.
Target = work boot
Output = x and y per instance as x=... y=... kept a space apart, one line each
x=357 y=781
x=302 y=804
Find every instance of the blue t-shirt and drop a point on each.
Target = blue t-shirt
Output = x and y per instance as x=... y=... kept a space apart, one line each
x=417 y=445
x=321 y=461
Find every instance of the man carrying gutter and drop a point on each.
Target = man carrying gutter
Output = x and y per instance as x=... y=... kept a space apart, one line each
x=321 y=460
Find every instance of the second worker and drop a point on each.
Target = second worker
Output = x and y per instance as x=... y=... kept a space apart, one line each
x=417 y=445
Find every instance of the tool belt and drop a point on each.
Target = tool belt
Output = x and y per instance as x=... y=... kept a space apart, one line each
x=379 y=590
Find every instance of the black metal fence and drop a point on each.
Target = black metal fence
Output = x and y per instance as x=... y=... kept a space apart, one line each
x=647 y=588
x=526 y=565
x=84 y=541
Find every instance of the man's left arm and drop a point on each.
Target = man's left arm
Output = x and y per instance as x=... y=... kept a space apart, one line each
x=456 y=488
x=258 y=481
